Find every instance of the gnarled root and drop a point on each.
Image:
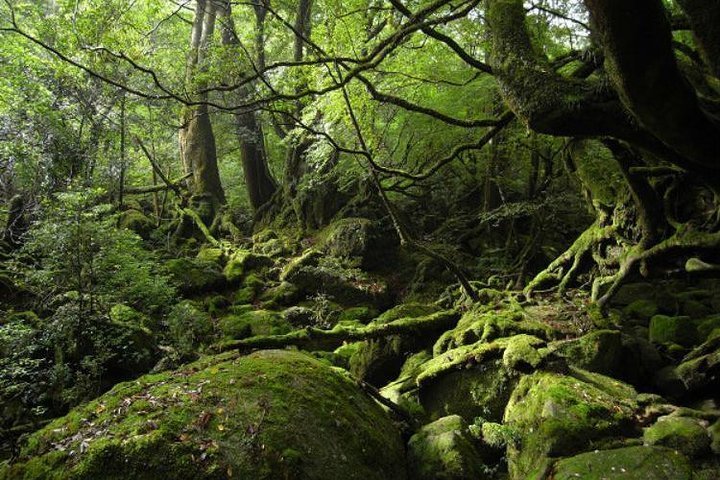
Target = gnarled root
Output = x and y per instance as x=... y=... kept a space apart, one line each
x=566 y=267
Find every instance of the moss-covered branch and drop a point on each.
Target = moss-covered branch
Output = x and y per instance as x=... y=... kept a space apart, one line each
x=317 y=339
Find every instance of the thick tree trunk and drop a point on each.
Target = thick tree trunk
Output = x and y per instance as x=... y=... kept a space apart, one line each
x=197 y=140
x=259 y=182
x=637 y=41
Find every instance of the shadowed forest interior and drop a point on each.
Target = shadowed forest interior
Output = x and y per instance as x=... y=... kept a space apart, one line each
x=360 y=239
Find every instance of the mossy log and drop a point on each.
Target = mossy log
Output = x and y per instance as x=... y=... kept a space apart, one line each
x=312 y=338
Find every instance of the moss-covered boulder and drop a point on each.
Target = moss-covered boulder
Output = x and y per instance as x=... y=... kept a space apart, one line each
x=487 y=323
x=314 y=272
x=714 y=432
x=195 y=276
x=252 y=323
x=639 y=359
x=641 y=311
x=444 y=450
x=470 y=381
x=685 y=435
x=138 y=222
x=628 y=463
x=357 y=238
x=243 y=261
x=270 y=415
x=211 y=254
x=699 y=370
x=599 y=351
x=673 y=330
x=558 y=415
x=379 y=360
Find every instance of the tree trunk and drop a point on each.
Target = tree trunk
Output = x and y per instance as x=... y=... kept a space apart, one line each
x=259 y=182
x=197 y=140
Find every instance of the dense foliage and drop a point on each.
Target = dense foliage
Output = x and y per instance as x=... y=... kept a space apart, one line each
x=475 y=208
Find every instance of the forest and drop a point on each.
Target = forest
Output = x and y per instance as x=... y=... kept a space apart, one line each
x=360 y=239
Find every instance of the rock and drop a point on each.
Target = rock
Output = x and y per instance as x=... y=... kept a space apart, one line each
x=444 y=450
x=685 y=435
x=284 y=294
x=700 y=369
x=558 y=415
x=211 y=254
x=356 y=238
x=669 y=330
x=521 y=353
x=599 y=351
x=706 y=326
x=299 y=317
x=714 y=432
x=358 y=314
x=269 y=415
x=642 y=310
x=639 y=360
x=469 y=381
x=195 y=276
x=123 y=314
x=189 y=327
x=138 y=222
x=378 y=361
x=242 y=262
x=629 y=463
x=487 y=324
x=253 y=323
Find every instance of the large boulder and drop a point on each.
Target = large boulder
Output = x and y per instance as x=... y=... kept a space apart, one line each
x=195 y=276
x=445 y=450
x=357 y=238
x=315 y=273
x=477 y=380
x=379 y=361
x=628 y=463
x=599 y=351
x=683 y=434
x=558 y=415
x=270 y=415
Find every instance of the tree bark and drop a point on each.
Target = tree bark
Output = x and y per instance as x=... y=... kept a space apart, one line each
x=259 y=182
x=637 y=40
x=197 y=140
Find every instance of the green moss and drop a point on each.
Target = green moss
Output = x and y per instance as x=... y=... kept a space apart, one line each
x=253 y=323
x=642 y=309
x=195 y=276
x=678 y=330
x=685 y=435
x=211 y=254
x=498 y=435
x=479 y=389
x=444 y=450
x=488 y=323
x=361 y=314
x=714 y=432
x=138 y=222
x=380 y=360
x=270 y=415
x=558 y=415
x=599 y=351
x=242 y=262
x=706 y=326
x=521 y=353
x=630 y=463
x=284 y=294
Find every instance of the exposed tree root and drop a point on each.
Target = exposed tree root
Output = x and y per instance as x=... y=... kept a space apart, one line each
x=311 y=338
x=685 y=241
x=564 y=269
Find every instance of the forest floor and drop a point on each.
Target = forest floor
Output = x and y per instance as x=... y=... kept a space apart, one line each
x=339 y=360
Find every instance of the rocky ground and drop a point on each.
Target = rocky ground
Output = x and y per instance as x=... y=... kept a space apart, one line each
x=309 y=371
